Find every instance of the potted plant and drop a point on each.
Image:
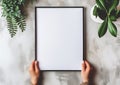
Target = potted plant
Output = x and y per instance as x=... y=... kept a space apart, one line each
x=13 y=11
x=108 y=12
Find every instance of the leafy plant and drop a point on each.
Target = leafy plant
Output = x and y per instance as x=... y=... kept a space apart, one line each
x=108 y=12
x=13 y=12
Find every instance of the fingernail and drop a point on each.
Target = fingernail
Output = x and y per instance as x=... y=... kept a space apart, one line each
x=35 y=62
x=83 y=62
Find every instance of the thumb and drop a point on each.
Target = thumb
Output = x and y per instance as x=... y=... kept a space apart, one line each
x=83 y=66
x=36 y=66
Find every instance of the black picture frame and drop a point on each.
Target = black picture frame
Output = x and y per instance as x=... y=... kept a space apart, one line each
x=84 y=34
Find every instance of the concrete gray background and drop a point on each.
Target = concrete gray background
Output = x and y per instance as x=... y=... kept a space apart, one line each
x=17 y=53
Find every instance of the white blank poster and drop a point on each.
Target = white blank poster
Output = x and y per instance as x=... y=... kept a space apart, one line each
x=59 y=38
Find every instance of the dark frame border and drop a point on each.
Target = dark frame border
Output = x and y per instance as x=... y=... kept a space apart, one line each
x=84 y=38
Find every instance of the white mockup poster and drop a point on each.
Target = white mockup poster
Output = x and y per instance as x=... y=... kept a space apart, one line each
x=59 y=37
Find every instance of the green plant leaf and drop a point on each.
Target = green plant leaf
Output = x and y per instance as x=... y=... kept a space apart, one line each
x=33 y=1
x=118 y=13
x=100 y=4
x=13 y=11
x=113 y=18
x=112 y=28
x=12 y=26
x=102 y=13
x=21 y=23
x=114 y=5
x=95 y=11
x=103 y=28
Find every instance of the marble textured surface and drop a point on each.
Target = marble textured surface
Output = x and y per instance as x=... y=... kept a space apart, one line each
x=17 y=53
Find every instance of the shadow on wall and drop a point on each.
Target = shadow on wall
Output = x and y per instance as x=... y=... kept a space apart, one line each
x=41 y=79
x=92 y=76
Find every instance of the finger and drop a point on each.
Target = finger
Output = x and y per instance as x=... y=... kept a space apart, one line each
x=83 y=66
x=37 y=67
x=87 y=66
x=31 y=66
